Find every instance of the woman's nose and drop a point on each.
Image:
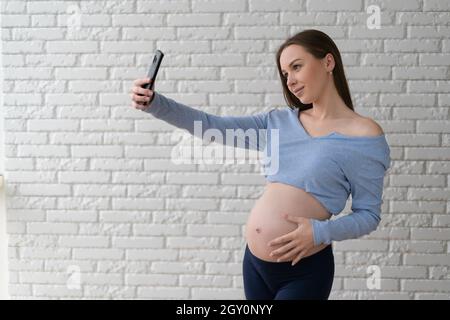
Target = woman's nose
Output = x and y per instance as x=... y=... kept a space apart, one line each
x=290 y=80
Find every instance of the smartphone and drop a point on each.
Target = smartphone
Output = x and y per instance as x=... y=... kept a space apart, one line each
x=153 y=70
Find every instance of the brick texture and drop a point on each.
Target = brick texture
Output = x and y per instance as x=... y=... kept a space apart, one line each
x=90 y=188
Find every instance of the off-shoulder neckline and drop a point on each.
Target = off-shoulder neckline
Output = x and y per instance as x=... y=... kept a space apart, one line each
x=332 y=133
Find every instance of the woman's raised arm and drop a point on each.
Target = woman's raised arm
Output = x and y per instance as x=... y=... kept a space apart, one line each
x=182 y=116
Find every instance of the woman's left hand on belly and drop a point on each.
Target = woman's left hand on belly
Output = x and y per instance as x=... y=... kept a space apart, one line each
x=296 y=243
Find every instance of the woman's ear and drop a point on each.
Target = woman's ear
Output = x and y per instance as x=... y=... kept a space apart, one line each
x=329 y=62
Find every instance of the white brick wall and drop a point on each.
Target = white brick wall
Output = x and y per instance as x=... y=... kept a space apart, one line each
x=90 y=186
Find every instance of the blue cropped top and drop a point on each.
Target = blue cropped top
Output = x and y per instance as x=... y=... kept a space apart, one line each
x=329 y=167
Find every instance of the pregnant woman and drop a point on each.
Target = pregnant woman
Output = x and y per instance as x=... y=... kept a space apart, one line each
x=326 y=151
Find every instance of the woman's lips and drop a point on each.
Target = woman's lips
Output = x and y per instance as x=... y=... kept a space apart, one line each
x=299 y=91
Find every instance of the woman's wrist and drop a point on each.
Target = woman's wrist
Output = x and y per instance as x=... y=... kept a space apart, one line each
x=149 y=104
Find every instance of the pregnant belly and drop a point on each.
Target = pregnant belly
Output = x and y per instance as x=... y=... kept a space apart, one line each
x=266 y=222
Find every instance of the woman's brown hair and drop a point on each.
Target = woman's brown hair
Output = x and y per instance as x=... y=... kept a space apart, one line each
x=318 y=44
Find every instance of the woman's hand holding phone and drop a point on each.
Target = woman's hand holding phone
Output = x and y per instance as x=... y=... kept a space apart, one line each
x=142 y=92
x=141 y=97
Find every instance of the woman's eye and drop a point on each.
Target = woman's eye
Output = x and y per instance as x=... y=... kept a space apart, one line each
x=295 y=66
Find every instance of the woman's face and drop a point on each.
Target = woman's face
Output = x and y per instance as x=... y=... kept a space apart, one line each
x=303 y=70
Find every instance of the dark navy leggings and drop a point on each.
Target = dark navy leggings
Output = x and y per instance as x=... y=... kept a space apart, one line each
x=309 y=279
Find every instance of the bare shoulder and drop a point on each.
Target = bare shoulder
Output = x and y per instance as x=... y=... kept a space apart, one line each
x=368 y=127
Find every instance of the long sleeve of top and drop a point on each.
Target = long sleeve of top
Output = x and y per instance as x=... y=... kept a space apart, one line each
x=249 y=131
x=365 y=174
